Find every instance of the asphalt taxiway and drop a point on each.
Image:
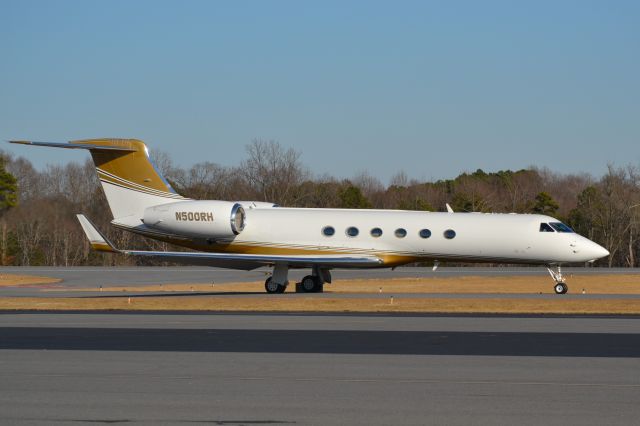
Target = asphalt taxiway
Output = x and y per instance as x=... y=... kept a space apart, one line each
x=245 y=369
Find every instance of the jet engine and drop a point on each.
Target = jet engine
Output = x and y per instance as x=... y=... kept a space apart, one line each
x=208 y=219
x=257 y=205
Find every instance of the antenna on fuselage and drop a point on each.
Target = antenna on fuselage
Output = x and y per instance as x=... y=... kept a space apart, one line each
x=449 y=209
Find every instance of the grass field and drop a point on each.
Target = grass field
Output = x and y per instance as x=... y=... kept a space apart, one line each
x=314 y=304
x=590 y=284
x=13 y=280
x=226 y=297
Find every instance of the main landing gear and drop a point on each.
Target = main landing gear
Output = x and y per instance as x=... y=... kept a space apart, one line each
x=277 y=282
x=314 y=283
x=273 y=287
x=560 y=287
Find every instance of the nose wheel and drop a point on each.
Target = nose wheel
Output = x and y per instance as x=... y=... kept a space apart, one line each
x=556 y=273
x=561 y=288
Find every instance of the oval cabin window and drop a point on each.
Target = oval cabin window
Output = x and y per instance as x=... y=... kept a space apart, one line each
x=401 y=233
x=328 y=231
x=449 y=234
x=352 y=231
x=425 y=233
x=376 y=232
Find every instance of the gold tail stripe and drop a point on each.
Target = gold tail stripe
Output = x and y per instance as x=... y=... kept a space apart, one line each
x=134 y=186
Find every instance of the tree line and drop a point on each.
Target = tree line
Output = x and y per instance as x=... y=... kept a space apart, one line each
x=38 y=224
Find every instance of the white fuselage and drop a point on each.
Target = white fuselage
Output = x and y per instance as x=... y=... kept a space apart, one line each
x=479 y=237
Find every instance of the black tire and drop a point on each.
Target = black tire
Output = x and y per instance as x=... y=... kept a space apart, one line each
x=273 y=288
x=561 y=288
x=310 y=284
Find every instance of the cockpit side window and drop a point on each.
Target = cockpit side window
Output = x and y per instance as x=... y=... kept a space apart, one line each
x=561 y=227
x=544 y=227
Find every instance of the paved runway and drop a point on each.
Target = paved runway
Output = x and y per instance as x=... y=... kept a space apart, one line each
x=252 y=369
x=87 y=277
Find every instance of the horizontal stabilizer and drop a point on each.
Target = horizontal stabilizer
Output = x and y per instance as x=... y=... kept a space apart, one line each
x=76 y=146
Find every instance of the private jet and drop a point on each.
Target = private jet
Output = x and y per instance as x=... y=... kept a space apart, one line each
x=246 y=235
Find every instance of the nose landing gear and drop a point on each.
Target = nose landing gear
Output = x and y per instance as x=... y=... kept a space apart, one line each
x=560 y=287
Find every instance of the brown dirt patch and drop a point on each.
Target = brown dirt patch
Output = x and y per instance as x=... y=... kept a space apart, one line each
x=13 y=280
x=591 y=284
x=311 y=304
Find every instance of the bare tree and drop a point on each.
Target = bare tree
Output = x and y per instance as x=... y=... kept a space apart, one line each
x=273 y=171
x=369 y=185
x=162 y=161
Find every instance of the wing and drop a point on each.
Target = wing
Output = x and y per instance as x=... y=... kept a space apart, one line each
x=230 y=260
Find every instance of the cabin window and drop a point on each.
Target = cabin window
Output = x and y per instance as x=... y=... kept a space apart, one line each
x=425 y=233
x=544 y=227
x=561 y=227
x=376 y=232
x=352 y=231
x=328 y=231
x=401 y=232
x=449 y=234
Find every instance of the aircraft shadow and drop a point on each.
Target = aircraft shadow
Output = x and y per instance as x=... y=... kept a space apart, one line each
x=165 y=294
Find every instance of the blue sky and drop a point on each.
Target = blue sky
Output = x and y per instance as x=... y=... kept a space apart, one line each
x=431 y=88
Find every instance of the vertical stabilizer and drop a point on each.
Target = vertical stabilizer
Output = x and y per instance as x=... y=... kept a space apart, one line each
x=130 y=180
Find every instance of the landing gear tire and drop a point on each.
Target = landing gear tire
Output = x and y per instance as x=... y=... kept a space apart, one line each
x=273 y=287
x=310 y=284
x=561 y=288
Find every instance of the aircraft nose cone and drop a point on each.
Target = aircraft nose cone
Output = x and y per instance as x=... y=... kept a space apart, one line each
x=603 y=252
x=597 y=251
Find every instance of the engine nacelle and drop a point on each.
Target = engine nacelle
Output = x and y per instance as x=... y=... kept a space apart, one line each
x=208 y=219
x=257 y=205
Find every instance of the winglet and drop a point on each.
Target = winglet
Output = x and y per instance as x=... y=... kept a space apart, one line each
x=98 y=241
x=449 y=209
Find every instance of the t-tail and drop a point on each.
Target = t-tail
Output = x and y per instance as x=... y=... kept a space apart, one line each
x=130 y=180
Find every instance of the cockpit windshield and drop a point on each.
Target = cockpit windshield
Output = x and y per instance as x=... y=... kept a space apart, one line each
x=561 y=227
x=544 y=227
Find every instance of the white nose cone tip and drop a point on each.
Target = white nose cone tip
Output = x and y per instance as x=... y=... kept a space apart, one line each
x=596 y=251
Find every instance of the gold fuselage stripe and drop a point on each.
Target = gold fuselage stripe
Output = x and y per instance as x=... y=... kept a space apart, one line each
x=388 y=258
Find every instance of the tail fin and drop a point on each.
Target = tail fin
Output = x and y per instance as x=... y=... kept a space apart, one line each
x=130 y=180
